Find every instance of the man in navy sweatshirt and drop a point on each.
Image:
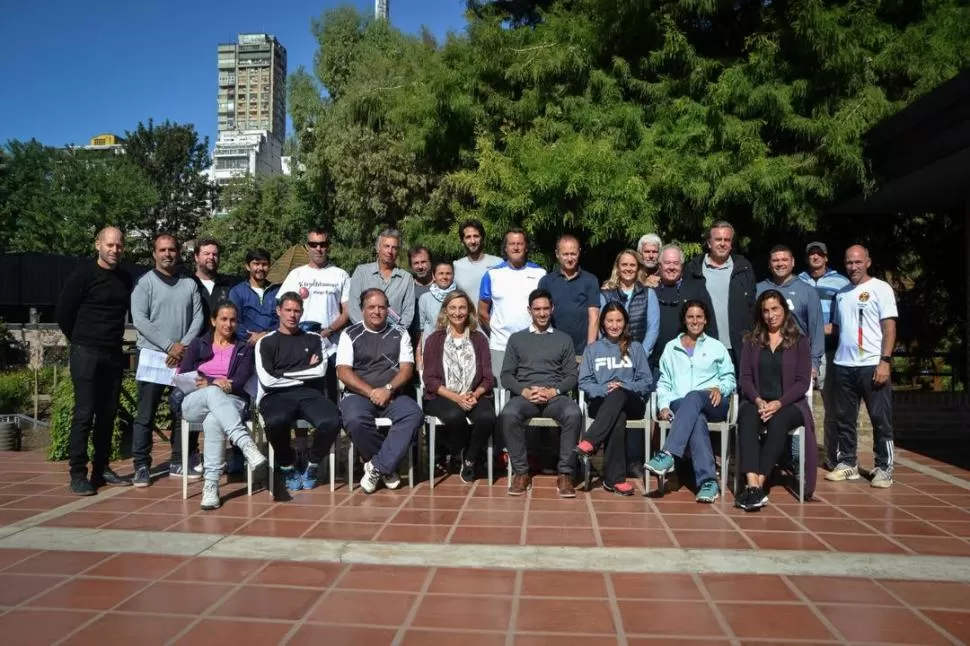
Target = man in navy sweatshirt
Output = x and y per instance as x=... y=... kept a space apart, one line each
x=540 y=369
x=166 y=308
x=91 y=314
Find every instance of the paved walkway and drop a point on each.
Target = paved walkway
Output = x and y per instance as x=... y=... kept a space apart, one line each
x=468 y=565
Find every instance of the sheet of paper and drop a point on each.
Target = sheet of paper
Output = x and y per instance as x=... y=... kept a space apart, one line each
x=186 y=382
x=152 y=368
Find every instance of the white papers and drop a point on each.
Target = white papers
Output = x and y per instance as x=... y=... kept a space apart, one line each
x=152 y=368
x=186 y=382
x=329 y=349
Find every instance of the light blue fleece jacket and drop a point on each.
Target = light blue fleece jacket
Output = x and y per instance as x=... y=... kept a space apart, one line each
x=681 y=374
x=602 y=364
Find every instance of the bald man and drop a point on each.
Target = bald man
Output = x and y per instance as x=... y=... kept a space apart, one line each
x=91 y=314
x=864 y=319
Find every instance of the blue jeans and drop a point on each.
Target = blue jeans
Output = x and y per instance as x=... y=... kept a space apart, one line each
x=384 y=453
x=689 y=434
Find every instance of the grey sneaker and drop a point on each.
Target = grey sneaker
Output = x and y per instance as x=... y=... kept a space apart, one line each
x=881 y=479
x=371 y=478
x=253 y=457
x=195 y=464
x=391 y=480
x=143 y=477
x=210 y=495
x=843 y=471
x=175 y=471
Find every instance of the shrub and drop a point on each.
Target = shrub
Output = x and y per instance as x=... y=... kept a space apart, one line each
x=63 y=410
x=16 y=387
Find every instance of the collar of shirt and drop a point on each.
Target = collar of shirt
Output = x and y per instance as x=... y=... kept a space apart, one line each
x=728 y=264
x=397 y=271
x=534 y=330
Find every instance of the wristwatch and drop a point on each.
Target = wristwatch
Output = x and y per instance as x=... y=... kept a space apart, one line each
x=388 y=387
x=557 y=392
x=888 y=358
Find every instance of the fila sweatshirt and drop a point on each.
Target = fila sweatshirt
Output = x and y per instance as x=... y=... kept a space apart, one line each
x=602 y=364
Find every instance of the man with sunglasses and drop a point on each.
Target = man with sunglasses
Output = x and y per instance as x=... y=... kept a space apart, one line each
x=325 y=289
x=672 y=292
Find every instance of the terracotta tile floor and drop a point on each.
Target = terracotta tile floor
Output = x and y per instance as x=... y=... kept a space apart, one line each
x=79 y=597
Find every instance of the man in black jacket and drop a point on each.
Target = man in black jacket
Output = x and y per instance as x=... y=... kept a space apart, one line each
x=213 y=286
x=672 y=292
x=730 y=282
x=91 y=313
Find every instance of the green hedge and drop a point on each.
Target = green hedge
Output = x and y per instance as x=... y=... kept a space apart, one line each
x=16 y=389
x=63 y=411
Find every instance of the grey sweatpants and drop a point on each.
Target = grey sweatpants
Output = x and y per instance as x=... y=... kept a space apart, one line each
x=221 y=416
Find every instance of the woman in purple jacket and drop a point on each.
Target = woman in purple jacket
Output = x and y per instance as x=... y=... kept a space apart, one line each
x=776 y=372
x=224 y=364
x=458 y=381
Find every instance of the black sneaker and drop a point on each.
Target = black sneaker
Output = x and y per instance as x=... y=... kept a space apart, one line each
x=80 y=486
x=110 y=478
x=743 y=498
x=635 y=470
x=468 y=472
x=758 y=498
x=143 y=477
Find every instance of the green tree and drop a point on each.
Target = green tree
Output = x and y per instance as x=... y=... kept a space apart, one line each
x=173 y=159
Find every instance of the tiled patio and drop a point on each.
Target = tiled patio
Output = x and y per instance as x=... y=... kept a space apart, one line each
x=183 y=589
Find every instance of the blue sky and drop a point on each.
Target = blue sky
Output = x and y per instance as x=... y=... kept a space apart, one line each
x=74 y=69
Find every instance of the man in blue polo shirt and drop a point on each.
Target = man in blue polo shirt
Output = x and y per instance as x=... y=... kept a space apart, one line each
x=576 y=294
x=503 y=301
x=827 y=283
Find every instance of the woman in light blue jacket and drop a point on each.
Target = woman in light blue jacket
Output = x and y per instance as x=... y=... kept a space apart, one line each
x=695 y=386
x=615 y=375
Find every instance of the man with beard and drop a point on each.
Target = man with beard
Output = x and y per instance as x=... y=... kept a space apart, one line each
x=470 y=269
x=91 y=314
x=649 y=249
x=213 y=286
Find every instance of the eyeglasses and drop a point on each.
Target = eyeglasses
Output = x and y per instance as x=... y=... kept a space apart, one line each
x=318 y=245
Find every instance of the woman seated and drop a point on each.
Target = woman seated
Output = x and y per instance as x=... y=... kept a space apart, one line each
x=776 y=372
x=615 y=375
x=695 y=386
x=225 y=364
x=458 y=381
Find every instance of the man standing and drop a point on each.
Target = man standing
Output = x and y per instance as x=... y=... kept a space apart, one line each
x=291 y=365
x=865 y=315
x=827 y=283
x=730 y=282
x=649 y=249
x=577 y=294
x=166 y=309
x=802 y=300
x=91 y=314
x=213 y=286
x=470 y=269
x=672 y=292
x=385 y=275
x=503 y=300
x=256 y=299
x=540 y=369
x=374 y=361
x=419 y=258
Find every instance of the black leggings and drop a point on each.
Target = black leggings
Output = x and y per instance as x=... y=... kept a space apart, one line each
x=610 y=415
x=757 y=457
x=460 y=436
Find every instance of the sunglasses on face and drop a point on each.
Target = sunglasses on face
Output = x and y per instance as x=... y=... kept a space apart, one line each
x=318 y=245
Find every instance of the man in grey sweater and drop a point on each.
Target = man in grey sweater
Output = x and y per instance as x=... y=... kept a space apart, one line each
x=166 y=309
x=540 y=370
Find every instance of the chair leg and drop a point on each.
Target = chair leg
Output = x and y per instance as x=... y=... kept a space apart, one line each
x=725 y=458
x=411 y=467
x=185 y=459
x=801 y=466
x=647 y=428
x=432 y=431
x=271 y=457
x=490 y=457
x=333 y=463
x=587 y=473
x=508 y=474
x=350 y=463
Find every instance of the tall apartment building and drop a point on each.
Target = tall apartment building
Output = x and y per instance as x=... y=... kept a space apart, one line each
x=252 y=107
x=382 y=9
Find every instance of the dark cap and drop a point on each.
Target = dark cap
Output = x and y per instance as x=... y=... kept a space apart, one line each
x=817 y=245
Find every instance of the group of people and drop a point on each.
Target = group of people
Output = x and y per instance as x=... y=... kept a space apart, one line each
x=339 y=351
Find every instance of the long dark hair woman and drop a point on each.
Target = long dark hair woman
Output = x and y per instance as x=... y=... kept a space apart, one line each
x=458 y=381
x=615 y=375
x=776 y=372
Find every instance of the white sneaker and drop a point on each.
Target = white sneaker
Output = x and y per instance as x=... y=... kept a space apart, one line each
x=371 y=478
x=391 y=481
x=254 y=458
x=843 y=471
x=881 y=479
x=195 y=465
x=210 y=495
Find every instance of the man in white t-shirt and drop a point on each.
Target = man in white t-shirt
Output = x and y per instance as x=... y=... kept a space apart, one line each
x=325 y=290
x=470 y=269
x=865 y=319
x=503 y=299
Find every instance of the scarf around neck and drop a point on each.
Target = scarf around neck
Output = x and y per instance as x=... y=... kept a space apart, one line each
x=439 y=293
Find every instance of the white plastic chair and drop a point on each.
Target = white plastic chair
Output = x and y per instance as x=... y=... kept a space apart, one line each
x=186 y=429
x=723 y=427
x=645 y=424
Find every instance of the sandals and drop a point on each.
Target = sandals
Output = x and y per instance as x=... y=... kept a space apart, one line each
x=620 y=488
